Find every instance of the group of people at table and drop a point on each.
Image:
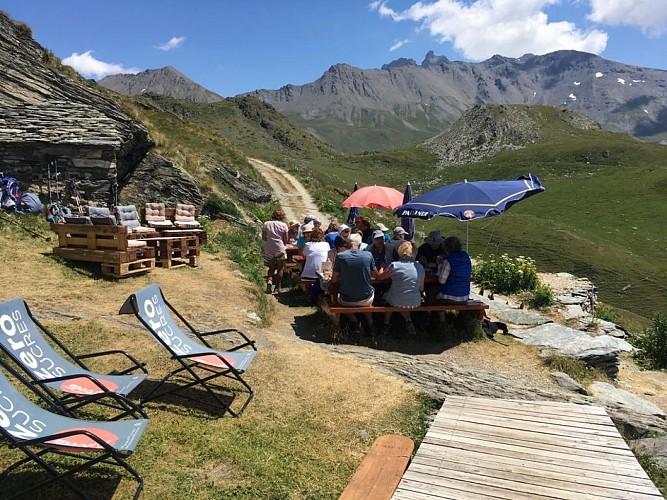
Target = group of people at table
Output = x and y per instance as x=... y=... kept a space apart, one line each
x=357 y=258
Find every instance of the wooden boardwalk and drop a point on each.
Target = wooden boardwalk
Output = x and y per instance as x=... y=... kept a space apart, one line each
x=492 y=448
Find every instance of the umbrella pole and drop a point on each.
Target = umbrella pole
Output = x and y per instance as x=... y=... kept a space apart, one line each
x=467 y=222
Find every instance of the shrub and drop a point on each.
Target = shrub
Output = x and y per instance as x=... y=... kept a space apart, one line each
x=577 y=369
x=214 y=207
x=541 y=297
x=506 y=274
x=651 y=344
x=605 y=312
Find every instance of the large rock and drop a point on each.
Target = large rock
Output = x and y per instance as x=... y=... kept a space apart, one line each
x=245 y=188
x=600 y=352
x=157 y=179
x=47 y=117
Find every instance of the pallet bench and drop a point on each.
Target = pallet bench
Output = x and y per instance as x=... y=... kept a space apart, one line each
x=113 y=247
x=378 y=475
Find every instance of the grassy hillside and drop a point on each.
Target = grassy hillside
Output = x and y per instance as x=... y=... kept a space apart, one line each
x=600 y=216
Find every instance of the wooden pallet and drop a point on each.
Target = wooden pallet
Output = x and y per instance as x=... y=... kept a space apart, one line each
x=106 y=256
x=123 y=270
x=175 y=251
x=91 y=237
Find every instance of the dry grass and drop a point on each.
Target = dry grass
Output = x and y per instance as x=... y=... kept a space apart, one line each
x=314 y=415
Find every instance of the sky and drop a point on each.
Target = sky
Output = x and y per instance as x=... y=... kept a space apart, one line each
x=237 y=46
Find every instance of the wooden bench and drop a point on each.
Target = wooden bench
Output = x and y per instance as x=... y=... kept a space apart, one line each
x=378 y=475
x=113 y=247
x=473 y=307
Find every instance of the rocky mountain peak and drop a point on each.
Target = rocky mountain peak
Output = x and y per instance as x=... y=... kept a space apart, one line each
x=485 y=130
x=398 y=63
x=166 y=81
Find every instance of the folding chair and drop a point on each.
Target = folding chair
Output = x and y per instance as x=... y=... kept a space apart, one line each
x=38 y=432
x=63 y=380
x=200 y=364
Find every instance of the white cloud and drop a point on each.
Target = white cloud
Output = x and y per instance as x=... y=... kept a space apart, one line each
x=86 y=65
x=174 y=43
x=648 y=15
x=482 y=28
x=398 y=45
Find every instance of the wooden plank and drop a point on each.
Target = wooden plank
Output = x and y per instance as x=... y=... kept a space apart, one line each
x=531 y=439
x=566 y=480
x=428 y=453
x=381 y=470
x=485 y=448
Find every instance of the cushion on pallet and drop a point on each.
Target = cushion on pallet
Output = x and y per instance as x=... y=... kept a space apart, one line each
x=155 y=216
x=184 y=217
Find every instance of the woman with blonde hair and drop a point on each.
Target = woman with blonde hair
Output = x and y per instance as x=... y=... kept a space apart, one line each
x=407 y=284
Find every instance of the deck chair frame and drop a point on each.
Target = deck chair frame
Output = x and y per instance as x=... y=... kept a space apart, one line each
x=152 y=310
x=39 y=434
x=25 y=340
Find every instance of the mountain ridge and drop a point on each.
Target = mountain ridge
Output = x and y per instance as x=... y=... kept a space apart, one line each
x=164 y=81
x=349 y=105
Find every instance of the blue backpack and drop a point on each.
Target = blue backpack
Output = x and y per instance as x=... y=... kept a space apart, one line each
x=9 y=193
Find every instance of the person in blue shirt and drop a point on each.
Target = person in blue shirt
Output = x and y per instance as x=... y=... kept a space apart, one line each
x=407 y=284
x=454 y=271
x=353 y=269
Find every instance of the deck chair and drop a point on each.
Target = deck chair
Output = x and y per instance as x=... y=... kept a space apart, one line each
x=155 y=216
x=199 y=362
x=128 y=216
x=61 y=377
x=38 y=432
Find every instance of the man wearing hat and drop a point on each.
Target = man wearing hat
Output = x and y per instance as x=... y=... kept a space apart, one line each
x=380 y=251
x=429 y=251
x=395 y=242
x=293 y=232
x=379 y=227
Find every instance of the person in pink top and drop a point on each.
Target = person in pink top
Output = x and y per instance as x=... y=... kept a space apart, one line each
x=274 y=233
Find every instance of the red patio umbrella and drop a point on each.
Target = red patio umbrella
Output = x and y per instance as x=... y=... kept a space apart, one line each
x=374 y=196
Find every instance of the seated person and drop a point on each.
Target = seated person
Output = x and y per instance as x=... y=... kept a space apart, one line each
x=304 y=236
x=340 y=245
x=396 y=241
x=353 y=270
x=428 y=251
x=454 y=273
x=332 y=231
x=407 y=284
x=380 y=251
x=293 y=232
x=379 y=227
x=316 y=251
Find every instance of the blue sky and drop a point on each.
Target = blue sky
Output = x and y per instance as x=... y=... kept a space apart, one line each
x=239 y=46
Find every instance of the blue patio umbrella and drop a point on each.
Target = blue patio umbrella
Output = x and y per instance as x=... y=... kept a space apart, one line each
x=354 y=211
x=467 y=201
x=408 y=223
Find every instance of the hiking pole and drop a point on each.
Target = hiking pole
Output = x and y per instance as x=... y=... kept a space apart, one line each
x=76 y=195
x=35 y=234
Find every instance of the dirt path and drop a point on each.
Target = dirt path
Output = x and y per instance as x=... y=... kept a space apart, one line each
x=291 y=194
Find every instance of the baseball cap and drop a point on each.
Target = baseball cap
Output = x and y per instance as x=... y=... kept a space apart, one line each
x=398 y=230
x=378 y=234
x=343 y=227
x=381 y=227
